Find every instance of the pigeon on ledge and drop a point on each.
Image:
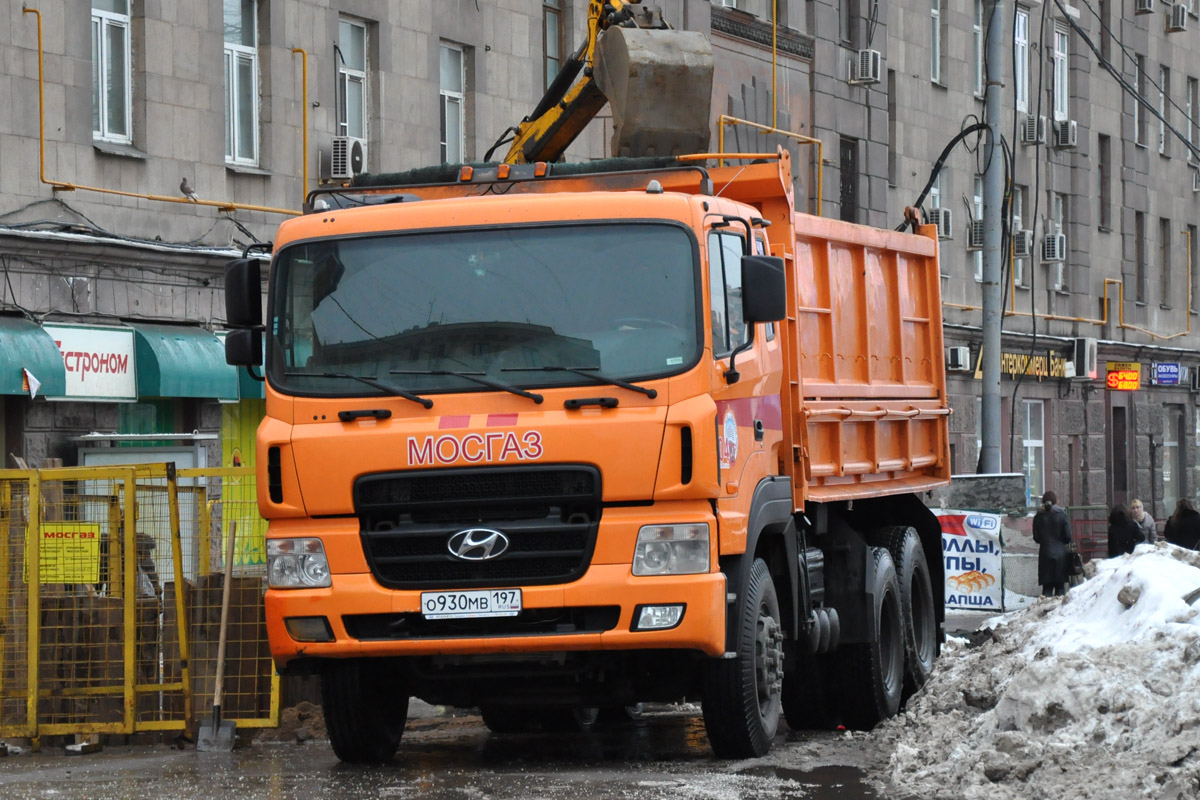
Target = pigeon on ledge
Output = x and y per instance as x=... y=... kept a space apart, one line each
x=188 y=191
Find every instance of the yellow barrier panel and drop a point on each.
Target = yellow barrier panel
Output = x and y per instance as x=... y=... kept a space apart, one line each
x=110 y=584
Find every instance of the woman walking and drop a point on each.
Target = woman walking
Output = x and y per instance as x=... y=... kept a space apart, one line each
x=1052 y=532
x=1183 y=528
x=1124 y=533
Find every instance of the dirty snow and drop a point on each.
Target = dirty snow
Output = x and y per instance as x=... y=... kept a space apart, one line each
x=1092 y=695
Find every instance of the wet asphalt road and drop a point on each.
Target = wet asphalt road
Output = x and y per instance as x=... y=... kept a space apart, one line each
x=663 y=754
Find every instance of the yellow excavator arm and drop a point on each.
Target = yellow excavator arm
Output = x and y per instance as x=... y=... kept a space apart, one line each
x=658 y=81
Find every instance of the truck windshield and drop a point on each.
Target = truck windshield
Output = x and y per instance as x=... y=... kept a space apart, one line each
x=619 y=299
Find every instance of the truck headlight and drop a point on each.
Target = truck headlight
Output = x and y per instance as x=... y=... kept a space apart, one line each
x=297 y=564
x=671 y=550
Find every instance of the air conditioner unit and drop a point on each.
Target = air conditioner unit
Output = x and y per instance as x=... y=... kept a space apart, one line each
x=1022 y=244
x=1058 y=279
x=1054 y=248
x=943 y=219
x=958 y=359
x=1033 y=129
x=1194 y=7
x=348 y=157
x=1177 y=19
x=975 y=235
x=1066 y=134
x=1143 y=7
x=1085 y=360
x=1019 y=273
x=865 y=67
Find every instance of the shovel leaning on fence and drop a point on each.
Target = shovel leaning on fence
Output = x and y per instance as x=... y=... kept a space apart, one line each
x=217 y=733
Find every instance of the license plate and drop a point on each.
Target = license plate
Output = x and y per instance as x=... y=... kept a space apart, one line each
x=479 y=603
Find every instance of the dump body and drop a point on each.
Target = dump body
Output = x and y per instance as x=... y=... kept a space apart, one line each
x=549 y=460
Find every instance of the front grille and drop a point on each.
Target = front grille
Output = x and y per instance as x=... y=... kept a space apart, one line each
x=549 y=515
x=530 y=622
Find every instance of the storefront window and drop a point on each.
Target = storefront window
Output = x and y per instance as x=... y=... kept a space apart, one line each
x=1035 y=448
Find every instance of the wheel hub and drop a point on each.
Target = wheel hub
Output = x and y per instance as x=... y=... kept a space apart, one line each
x=768 y=659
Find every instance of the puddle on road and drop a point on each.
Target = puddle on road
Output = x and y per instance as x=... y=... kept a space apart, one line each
x=821 y=783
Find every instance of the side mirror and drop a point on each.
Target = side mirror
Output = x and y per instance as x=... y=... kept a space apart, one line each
x=244 y=347
x=243 y=294
x=764 y=289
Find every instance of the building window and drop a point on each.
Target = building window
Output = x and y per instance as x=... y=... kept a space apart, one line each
x=1139 y=254
x=1017 y=206
x=1164 y=257
x=1194 y=264
x=977 y=213
x=552 y=29
x=111 y=84
x=850 y=174
x=1058 y=222
x=892 y=154
x=452 y=82
x=846 y=16
x=1021 y=60
x=1172 y=467
x=1035 y=447
x=1191 y=106
x=977 y=41
x=935 y=46
x=1062 y=82
x=1139 y=114
x=352 y=79
x=1104 y=175
x=241 y=81
x=1164 y=91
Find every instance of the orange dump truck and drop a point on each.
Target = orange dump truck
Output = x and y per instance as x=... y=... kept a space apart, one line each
x=552 y=444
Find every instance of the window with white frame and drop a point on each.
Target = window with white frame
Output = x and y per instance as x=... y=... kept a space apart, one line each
x=552 y=45
x=452 y=80
x=977 y=41
x=1035 y=447
x=1021 y=59
x=1164 y=91
x=241 y=81
x=1190 y=108
x=977 y=213
x=1062 y=74
x=935 y=42
x=352 y=78
x=1017 y=206
x=112 y=114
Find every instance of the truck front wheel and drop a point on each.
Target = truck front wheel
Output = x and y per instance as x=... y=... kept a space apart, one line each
x=741 y=696
x=366 y=708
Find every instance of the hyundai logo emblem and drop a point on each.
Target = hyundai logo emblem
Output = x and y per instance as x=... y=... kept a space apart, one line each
x=477 y=544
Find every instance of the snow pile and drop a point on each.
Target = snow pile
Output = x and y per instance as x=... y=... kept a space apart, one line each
x=1092 y=695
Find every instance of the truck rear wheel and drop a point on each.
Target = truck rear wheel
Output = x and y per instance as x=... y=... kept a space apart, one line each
x=873 y=672
x=741 y=696
x=917 y=614
x=364 y=714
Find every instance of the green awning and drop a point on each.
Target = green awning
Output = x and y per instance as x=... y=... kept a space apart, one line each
x=177 y=361
x=25 y=346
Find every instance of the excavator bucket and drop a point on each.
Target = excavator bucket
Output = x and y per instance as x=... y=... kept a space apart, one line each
x=659 y=86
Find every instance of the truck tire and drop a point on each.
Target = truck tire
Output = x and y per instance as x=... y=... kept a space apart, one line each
x=872 y=673
x=917 y=613
x=809 y=703
x=364 y=715
x=741 y=696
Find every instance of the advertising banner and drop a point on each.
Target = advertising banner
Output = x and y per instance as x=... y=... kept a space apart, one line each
x=971 y=552
x=99 y=361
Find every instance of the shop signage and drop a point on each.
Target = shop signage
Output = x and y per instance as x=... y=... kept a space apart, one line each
x=971 y=555
x=1166 y=373
x=1038 y=365
x=99 y=361
x=1124 y=376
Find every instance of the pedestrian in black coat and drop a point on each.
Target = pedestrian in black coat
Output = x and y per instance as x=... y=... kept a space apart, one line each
x=1052 y=531
x=1124 y=533
x=1183 y=528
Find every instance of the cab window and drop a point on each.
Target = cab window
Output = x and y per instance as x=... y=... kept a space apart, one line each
x=725 y=283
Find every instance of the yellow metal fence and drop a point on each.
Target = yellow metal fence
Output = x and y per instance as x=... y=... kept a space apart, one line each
x=98 y=566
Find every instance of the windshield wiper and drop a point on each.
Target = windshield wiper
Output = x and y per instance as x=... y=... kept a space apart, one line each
x=589 y=372
x=369 y=381
x=471 y=376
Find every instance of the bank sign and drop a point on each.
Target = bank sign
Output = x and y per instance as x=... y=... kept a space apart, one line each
x=99 y=361
x=971 y=554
